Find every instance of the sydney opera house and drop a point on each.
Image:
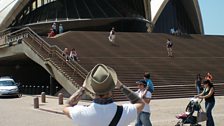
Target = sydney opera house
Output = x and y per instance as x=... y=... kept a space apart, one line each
x=142 y=28
x=127 y=15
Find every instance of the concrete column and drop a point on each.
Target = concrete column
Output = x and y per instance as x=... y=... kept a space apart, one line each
x=147 y=5
x=36 y=4
x=52 y=86
x=42 y=2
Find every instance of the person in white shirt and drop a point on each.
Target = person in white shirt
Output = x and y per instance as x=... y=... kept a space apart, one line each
x=144 y=116
x=172 y=31
x=101 y=81
x=54 y=27
x=66 y=54
x=112 y=36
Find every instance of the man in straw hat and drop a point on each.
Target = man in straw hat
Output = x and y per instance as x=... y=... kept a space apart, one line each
x=101 y=81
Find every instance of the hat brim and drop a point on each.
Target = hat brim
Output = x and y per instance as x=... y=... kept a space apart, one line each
x=88 y=86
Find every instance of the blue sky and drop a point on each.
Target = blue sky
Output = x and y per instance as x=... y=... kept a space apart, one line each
x=213 y=16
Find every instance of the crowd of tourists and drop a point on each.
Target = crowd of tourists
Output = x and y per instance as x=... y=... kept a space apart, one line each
x=103 y=111
x=54 y=30
x=101 y=81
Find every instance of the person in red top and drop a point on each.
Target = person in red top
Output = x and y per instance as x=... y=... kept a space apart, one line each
x=51 y=33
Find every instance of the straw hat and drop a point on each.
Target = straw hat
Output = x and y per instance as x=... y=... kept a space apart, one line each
x=100 y=80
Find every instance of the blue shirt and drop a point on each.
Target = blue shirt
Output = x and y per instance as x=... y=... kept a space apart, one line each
x=61 y=29
x=150 y=85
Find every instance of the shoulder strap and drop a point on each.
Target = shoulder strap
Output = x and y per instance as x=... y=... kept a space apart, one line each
x=117 y=116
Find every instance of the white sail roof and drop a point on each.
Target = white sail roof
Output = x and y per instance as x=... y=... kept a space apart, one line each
x=5 y=7
x=155 y=5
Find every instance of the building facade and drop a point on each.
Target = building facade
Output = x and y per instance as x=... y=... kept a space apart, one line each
x=100 y=15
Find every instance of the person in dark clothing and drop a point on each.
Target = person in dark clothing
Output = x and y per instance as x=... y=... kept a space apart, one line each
x=169 y=47
x=209 y=95
x=198 y=83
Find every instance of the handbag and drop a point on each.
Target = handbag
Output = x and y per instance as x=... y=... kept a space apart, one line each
x=202 y=116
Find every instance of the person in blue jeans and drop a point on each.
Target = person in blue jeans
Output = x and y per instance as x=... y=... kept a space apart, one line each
x=143 y=118
x=208 y=95
x=149 y=82
x=198 y=83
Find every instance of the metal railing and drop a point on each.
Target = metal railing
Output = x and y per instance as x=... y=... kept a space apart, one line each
x=52 y=51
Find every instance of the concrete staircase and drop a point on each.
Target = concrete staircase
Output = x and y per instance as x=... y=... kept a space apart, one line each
x=136 y=53
x=69 y=74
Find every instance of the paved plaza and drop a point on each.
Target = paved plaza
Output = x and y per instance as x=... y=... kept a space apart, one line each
x=20 y=112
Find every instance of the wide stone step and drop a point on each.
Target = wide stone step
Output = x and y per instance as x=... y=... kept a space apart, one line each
x=142 y=52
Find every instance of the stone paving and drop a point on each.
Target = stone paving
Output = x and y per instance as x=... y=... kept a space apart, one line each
x=20 y=111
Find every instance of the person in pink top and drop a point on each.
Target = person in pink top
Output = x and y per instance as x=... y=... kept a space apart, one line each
x=73 y=55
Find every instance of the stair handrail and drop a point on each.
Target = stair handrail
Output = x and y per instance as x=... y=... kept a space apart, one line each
x=83 y=72
x=11 y=37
